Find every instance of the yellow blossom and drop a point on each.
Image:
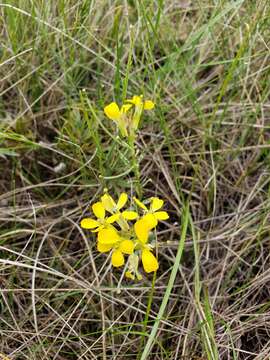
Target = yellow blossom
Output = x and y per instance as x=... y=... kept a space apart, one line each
x=118 y=235
x=127 y=120
x=109 y=239
x=152 y=215
x=110 y=205
x=101 y=221
x=118 y=115
x=114 y=208
x=139 y=102
x=139 y=106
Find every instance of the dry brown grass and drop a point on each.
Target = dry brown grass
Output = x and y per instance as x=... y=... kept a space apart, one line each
x=206 y=64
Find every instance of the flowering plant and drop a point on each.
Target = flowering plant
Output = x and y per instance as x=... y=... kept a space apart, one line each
x=126 y=232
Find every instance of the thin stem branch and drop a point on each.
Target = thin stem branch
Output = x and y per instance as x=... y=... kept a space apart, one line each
x=135 y=165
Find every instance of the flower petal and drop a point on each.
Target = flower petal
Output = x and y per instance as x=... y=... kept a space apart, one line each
x=127 y=246
x=161 y=215
x=142 y=230
x=88 y=223
x=137 y=100
x=104 y=247
x=139 y=203
x=149 y=261
x=117 y=258
x=148 y=105
x=150 y=221
x=129 y=215
x=98 y=210
x=108 y=202
x=108 y=236
x=113 y=218
x=156 y=204
x=121 y=201
x=112 y=111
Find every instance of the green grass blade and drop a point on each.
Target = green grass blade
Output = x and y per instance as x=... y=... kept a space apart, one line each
x=151 y=339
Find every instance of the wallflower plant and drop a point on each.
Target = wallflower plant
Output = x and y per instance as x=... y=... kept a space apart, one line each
x=126 y=232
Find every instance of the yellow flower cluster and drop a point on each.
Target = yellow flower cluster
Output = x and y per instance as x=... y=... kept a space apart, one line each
x=117 y=233
x=128 y=116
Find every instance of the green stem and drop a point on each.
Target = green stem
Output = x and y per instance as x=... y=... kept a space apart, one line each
x=145 y=322
x=135 y=165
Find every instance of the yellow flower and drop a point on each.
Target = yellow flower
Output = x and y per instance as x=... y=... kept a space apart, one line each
x=101 y=221
x=109 y=239
x=126 y=120
x=124 y=238
x=139 y=106
x=114 y=208
x=119 y=116
x=152 y=215
x=138 y=101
